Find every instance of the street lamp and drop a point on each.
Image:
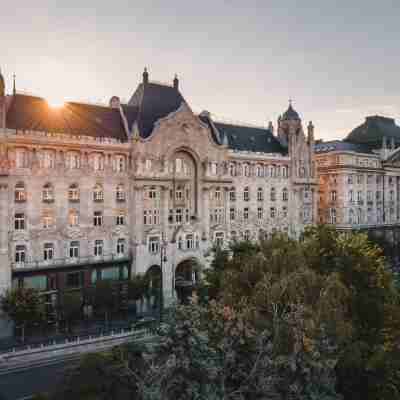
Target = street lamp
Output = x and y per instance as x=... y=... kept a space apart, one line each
x=163 y=259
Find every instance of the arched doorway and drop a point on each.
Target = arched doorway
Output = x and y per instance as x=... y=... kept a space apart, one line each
x=154 y=290
x=187 y=279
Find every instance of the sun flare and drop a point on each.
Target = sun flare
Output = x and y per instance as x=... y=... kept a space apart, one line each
x=54 y=102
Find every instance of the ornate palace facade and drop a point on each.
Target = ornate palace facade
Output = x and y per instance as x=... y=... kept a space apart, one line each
x=93 y=192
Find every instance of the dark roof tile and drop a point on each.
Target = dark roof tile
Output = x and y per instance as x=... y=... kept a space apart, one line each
x=154 y=101
x=373 y=130
x=34 y=113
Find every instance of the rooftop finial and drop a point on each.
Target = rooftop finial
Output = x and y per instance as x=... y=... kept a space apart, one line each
x=176 y=82
x=145 y=76
x=290 y=102
x=14 y=87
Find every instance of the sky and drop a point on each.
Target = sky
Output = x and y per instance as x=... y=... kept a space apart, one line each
x=339 y=61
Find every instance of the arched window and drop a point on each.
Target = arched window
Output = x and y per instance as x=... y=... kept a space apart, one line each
x=271 y=171
x=246 y=194
x=218 y=194
x=285 y=195
x=273 y=194
x=48 y=193
x=260 y=171
x=20 y=192
x=232 y=169
x=232 y=194
x=98 y=194
x=351 y=216
x=73 y=192
x=246 y=170
x=260 y=194
x=120 y=193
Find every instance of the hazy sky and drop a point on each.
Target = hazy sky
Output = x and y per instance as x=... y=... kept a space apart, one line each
x=338 y=60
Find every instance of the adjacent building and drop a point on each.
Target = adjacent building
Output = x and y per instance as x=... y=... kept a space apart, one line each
x=359 y=177
x=91 y=192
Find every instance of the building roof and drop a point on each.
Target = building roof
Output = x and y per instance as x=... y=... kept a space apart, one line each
x=154 y=101
x=373 y=130
x=247 y=138
x=339 y=145
x=34 y=113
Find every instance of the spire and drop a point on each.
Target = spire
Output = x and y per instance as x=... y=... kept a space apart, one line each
x=176 y=82
x=14 y=88
x=145 y=76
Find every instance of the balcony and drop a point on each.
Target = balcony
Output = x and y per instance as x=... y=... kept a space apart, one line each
x=69 y=262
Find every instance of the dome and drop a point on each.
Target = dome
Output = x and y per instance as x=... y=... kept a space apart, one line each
x=290 y=114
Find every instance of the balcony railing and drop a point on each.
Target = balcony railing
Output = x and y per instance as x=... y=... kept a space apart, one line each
x=70 y=261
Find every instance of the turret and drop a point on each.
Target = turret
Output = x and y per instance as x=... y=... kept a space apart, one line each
x=310 y=132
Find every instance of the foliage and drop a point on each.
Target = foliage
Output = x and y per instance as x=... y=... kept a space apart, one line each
x=105 y=298
x=24 y=306
x=71 y=306
x=315 y=318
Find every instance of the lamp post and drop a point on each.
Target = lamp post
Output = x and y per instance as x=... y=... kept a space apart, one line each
x=163 y=259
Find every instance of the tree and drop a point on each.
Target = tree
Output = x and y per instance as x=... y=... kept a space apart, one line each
x=24 y=306
x=105 y=299
x=137 y=288
x=71 y=306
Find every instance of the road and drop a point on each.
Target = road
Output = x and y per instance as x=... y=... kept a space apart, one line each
x=19 y=384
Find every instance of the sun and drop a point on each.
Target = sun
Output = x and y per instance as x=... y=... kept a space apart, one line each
x=55 y=102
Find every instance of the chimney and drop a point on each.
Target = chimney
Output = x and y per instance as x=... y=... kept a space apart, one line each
x=145 y=76
x=271 y=127
x=176 y=82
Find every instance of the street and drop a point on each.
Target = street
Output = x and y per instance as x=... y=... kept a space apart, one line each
x=26 y=382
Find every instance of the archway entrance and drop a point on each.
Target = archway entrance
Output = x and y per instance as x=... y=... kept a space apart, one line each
x=154 y=278
x=187 y=279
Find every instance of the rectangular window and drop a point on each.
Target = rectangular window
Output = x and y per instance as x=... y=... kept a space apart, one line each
x=19 y=221
x=121 y=246
x=98 y=162
x=47 y=221
x=20 y=251
x=48 y=251
x=232 y=195
x=74 y=249
x=154 y=244
x=246 y=213
x=178 y=215
x=98 y=247
x=219 y=239
x=98 y=218
x=232 y=214
x=260 y=213
x=120 y=219
x=189 y=242
x=272 y=212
